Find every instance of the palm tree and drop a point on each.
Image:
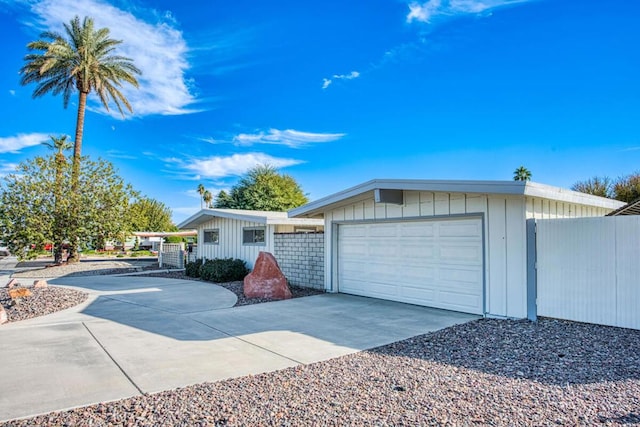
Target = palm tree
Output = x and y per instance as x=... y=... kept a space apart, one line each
x=522 y=174
x=60 y=145
x=208 y=198
x=82 y=62
x=201 y=191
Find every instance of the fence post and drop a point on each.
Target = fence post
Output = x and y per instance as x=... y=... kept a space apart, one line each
x=532 y=285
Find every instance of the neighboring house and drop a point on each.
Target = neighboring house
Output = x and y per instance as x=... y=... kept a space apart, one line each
x=457 y=245
x=631 y=208
x=151 y=240
x=236 y=233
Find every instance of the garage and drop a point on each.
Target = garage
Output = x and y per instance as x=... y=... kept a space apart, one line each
x=456 y=245
x=435 y=263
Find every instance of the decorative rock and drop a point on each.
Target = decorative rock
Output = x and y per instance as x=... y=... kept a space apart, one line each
x=3 y=316
x=12 y=283
x=40 y=284
x=266 y=280
x=19 y=293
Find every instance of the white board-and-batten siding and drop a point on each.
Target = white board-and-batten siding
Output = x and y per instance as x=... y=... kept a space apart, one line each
x=230 y=240
x=504 y=235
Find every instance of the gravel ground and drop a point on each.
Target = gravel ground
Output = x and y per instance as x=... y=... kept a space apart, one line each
x=43 y=301
x=87 y=267
x=483 y=373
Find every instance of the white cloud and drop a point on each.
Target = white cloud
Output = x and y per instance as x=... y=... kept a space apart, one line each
x=427 y=11
x=7 y=168
x=157 y=49
x=13 y=144
x=12 y=92
x=352 y=75
x=234 y=165
x=289 y=137
x=117 y=154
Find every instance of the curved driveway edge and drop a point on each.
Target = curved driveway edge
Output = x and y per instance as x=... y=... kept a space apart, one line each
x=142 y=334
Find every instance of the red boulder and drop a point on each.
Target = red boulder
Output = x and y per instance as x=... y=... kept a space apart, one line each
x=266 y=280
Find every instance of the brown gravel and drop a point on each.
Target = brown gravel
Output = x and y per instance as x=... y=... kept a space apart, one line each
x=483 y=373
x=42 y=301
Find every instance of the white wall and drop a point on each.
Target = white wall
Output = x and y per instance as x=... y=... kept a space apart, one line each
x=504 y=229
x=551 y=209
x=588 y=270
x=230 y=240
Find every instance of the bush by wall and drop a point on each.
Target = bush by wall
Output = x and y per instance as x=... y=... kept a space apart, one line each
x=217 y=270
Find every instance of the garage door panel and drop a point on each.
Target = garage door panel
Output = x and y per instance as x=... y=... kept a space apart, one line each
x=354 y=231
x=373 y=289
x=463 y=302
x=384 y=230
x=463 y=253
x=460 y=228
x=424 y=295
x=419 y=252
x=355 y=249
x=416 y=230
x=437 y=263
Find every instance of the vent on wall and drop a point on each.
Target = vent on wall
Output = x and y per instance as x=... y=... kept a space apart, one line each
x=389 y=196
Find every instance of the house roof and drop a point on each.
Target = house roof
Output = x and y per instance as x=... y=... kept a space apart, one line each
x=631 y=208
x=260 y=217
x=515 y=188
x=165 y=233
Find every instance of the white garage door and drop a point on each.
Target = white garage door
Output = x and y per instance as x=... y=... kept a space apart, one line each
x=435 y=263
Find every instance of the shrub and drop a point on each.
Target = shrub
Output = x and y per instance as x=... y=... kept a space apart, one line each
x=192 y=269
x=223 y=270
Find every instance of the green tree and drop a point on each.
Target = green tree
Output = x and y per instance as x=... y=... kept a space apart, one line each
x=597 y=186
x=263 y=188
x=201 y=191
x=522 y=174
x=60 y=208
x=223 y=200
x=627 y=188
x=150 y=215
x=28 y=215
x=84 y=62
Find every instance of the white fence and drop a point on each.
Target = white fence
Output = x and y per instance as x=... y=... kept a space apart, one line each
x=588 y=270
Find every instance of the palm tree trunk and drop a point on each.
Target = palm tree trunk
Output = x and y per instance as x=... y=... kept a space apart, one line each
x=75 y=179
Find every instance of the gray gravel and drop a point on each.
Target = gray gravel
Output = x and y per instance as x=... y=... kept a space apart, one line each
x=44 y=268
x=42 y=301
x=488 y=372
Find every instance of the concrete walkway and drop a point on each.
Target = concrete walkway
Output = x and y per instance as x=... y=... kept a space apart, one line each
x=142 y=335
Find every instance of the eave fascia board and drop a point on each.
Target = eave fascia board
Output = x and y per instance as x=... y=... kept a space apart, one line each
x=452 y=186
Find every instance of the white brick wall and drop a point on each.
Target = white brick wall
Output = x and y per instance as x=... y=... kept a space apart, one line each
x=301 y=258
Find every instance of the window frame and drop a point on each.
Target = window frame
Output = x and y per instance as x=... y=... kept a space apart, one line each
x=210 y=230
x=254 y=242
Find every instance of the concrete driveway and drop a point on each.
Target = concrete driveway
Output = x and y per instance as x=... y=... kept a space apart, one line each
x=142 y=335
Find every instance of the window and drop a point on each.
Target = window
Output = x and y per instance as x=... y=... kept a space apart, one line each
x=253 y=235
x=211 y=237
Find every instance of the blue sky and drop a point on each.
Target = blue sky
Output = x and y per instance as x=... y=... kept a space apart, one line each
x=339 y=92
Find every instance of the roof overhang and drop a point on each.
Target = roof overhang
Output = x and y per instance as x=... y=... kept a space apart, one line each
x=260 y=217
x=514 y=188
x=165 y=233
